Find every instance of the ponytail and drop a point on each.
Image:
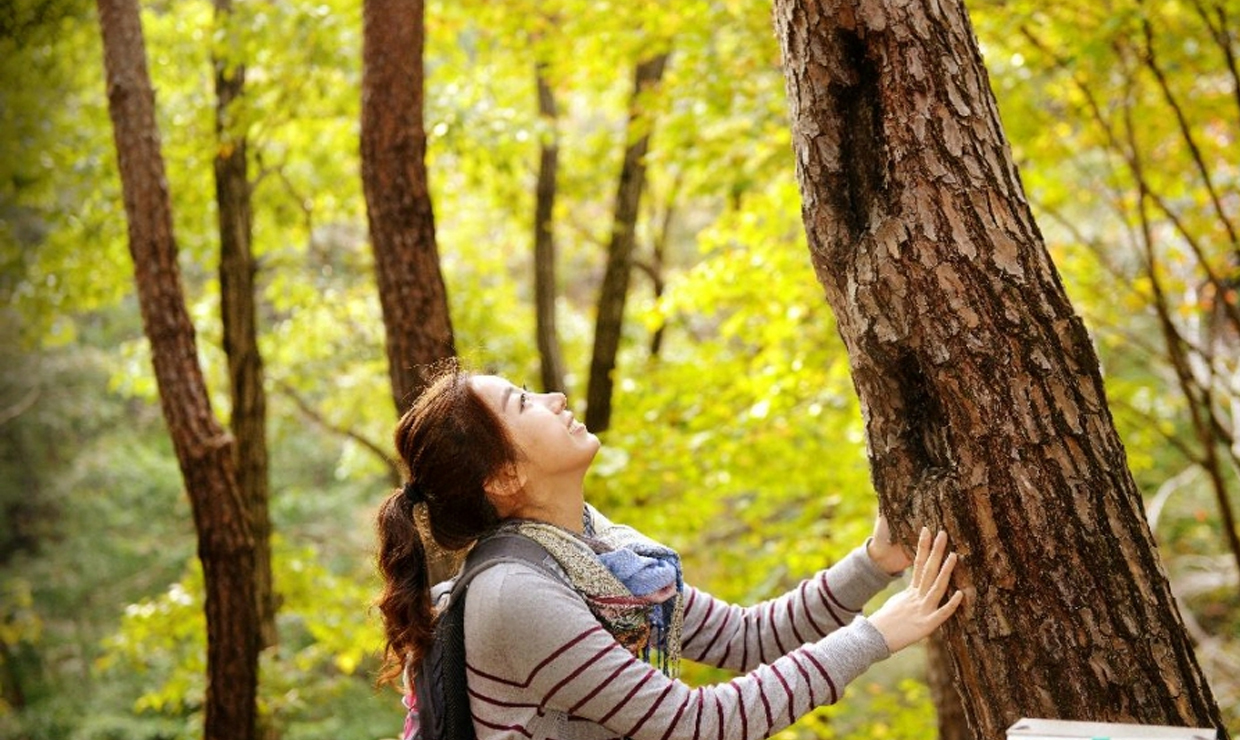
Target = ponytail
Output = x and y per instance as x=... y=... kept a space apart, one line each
x=450 y=444
x=405 y=602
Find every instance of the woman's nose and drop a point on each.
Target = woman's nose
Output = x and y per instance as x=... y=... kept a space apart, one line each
x=558 y=401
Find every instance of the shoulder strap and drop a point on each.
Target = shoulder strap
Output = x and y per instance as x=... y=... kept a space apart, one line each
x=507 y=547
x=441 y=684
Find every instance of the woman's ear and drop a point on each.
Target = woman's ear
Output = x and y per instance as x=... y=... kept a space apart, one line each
x=504 y=486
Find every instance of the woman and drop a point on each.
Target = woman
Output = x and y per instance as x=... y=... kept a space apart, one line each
x=593 y=654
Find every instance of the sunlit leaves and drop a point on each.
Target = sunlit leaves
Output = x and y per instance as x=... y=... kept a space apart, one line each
x=732 y=437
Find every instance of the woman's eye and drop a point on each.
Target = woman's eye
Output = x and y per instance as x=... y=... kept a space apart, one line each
x=523 y=399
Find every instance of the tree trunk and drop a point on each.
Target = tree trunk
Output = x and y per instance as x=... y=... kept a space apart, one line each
x=204 y=450
x=952 y=724
x=984 y=406
x=239 y=318
x=609 y=323
x=398 y=203
x=551 y=362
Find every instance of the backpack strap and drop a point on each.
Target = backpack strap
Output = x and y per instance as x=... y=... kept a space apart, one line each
x=441 y=685
x=506 y=547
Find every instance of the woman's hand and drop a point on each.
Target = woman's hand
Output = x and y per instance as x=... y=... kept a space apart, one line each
x=915 y=612
x=887 y=555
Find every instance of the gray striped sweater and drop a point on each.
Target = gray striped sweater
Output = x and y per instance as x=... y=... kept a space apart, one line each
x=541 y=667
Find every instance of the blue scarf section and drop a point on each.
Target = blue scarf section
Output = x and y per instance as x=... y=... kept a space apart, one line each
x=649 y=570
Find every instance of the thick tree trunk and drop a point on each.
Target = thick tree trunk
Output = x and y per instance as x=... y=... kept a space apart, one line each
x=239 y=318
x=398 y=201
x=609 y=323
x=984 y=406
x=551 y=362
x=204 y=450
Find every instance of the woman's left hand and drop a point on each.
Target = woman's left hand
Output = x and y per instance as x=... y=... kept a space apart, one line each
x=887 y=555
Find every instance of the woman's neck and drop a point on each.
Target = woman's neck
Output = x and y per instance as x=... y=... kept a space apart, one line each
x=560 y=504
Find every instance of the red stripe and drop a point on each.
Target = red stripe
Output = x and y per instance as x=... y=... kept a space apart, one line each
x=498 y=703
x=676 y=720
x=766 y=704
x=838 y=603
x=809 y=684
x=762 y=634
x=602 y=685
x=792 y=620
x=834 y=695
x=654 y=707
x=620 y=705
x=792 y=717
x=503 y=728
x=744 y=643
x=579 y=670
x=697 y=724
x=775 y=631
x=826 y=603
x=740 y=705
x=805 y=608
x=727 y=617
x=690 y=600
x=555 y=654
x=719 y=710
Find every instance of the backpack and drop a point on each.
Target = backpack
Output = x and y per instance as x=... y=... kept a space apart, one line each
x=440 y=683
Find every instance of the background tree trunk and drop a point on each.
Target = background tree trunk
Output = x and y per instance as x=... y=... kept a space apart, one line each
x=609 y=323
x=239 y=317
x=204 y=450
x=952 y=724
x=984 y=405
x=551 y=361
x=398 y=202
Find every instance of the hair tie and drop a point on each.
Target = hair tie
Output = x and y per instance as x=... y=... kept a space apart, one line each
x=414 y=493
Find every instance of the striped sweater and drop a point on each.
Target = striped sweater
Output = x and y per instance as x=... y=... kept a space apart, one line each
x=540 y=666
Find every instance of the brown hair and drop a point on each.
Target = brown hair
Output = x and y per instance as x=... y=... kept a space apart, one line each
x=450 y=445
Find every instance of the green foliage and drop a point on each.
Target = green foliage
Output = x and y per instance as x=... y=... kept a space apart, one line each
x=741 y=442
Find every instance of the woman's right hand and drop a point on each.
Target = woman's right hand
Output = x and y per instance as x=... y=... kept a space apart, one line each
x=916 y=612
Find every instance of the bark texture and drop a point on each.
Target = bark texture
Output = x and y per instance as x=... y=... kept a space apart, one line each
x=238 y=314
x=551 y=361
x=204 y=450
x=609 y=322
x=398 y=202
x=984 y=406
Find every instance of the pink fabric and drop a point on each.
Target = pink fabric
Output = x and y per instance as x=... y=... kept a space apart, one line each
x=411 y=717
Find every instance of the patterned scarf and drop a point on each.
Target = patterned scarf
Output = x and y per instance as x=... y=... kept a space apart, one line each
x=632 y=584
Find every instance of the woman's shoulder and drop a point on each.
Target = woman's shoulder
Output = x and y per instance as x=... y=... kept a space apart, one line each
x=520 y=610
x=514 y=582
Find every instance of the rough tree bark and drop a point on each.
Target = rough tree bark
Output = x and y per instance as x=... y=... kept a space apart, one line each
x=613 y=294
x=551 y=361
x=398 y=202
x=238 y=314
x=204 y=450
x=984 y=406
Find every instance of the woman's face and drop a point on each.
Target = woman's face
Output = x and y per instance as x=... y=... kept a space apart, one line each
x=549 y=438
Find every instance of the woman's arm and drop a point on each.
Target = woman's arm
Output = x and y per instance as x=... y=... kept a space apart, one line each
x=533 y=643
x=741 y=638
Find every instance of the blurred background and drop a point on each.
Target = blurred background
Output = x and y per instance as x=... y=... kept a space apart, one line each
x=735 y=434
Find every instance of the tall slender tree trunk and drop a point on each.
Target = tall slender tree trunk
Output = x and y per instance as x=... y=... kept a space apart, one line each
x=239 y=318
x=952 y=724
x=609 y=323
x=398 y=203
x=204 y=450
x=551 y=361
x=984 y=405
